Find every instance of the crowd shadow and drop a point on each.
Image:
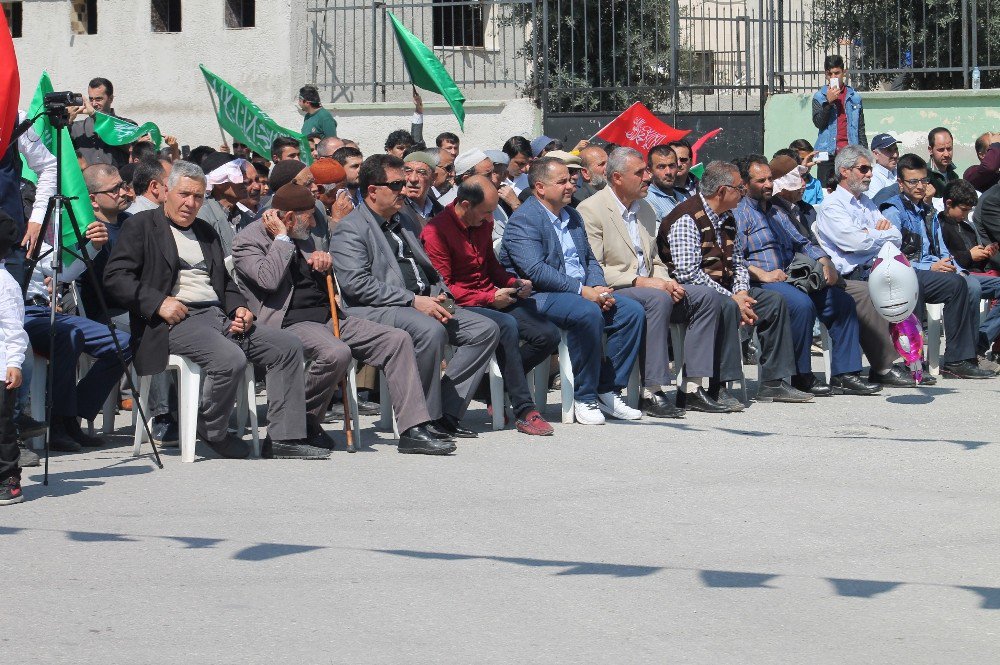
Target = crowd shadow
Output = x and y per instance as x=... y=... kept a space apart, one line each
x=66 y=483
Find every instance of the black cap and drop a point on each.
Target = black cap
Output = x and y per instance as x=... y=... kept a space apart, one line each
x=882 y=141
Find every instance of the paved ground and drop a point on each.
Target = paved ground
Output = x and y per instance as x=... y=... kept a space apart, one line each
x=851 y=530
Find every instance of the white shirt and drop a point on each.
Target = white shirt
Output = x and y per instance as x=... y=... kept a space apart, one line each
x=141 y=204
x=13 y=339
x=632 y=224
x=881 y=178
x=846 y=230
x=448 y=196
x=43 y=163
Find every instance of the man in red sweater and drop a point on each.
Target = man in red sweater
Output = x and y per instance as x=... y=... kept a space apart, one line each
x=459 y=242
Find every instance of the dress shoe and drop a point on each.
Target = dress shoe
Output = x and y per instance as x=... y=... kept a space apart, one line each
x=780 y=391
x=896 y=377
x=812 y=384
x=231 y=447
x=452 y=427
x=853 y=384
x=964 y=369
x=292 y=449
x=72 y=427
x=320 y=439
x=700 y=401
x=28 y=427
x=165 y=431
x=725 y=398
x=418 y=440
x=659 y=406
x=927 y=380
x=60 y=440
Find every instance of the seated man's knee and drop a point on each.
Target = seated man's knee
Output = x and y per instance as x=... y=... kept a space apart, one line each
x=333 y=353
x=631 y=310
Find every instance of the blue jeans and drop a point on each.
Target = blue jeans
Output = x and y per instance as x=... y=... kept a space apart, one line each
x=76 y=335
x=989 y=287
x=597 y=370
x=836 y=310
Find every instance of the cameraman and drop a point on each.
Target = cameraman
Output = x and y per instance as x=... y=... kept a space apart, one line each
x=100 y=96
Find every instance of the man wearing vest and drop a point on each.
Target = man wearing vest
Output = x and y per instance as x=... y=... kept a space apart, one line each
x=696 y=241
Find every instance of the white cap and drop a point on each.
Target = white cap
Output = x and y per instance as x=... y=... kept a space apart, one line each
x=468 y=160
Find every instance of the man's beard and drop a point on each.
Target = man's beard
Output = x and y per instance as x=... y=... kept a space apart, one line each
x=598 y=182
x=298 y=233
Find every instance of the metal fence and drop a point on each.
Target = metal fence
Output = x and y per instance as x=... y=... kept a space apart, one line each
x=354 y=57
x=677 y=56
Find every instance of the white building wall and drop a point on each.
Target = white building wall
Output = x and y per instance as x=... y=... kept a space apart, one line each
x=156 y=75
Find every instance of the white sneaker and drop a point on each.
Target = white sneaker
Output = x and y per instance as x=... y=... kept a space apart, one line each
x=588 y=413
x=613 y=405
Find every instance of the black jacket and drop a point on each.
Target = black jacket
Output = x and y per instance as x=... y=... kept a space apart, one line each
x=141 y=273
x=959 y=238
x=986 y=218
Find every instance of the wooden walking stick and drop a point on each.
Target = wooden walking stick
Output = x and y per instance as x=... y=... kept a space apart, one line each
x=348 y=429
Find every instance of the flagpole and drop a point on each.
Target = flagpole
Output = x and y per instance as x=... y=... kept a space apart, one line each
x=215 y=107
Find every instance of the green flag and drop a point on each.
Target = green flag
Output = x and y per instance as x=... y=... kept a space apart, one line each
x=246 y=122
x=115 y=131
x=72 y=178
x=426 y=71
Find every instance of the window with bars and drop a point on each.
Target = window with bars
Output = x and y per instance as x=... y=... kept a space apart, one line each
x=13 y=12
x=83 y=17
x=241 y=13
x=459 y=25
x=165 y=16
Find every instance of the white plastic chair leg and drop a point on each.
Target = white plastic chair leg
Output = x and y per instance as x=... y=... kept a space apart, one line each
x=251 y=408
x=540 y=380
x=352 y=401
x=566 y=375
x=634 y=390
x=677 y=332
x=189 y=398
x=934 y=326
x=496 y=394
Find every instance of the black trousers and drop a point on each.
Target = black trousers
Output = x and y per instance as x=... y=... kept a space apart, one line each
x=526 y=339
x=961 y=317
x=9 y=452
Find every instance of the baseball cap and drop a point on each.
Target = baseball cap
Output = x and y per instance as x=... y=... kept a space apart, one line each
x=539 y=144
x=571 y=161
x=882 y=141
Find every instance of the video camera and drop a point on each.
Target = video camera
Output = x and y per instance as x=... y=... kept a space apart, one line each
x=57 y=106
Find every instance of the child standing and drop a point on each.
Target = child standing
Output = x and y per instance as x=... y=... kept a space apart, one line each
x=13 y=344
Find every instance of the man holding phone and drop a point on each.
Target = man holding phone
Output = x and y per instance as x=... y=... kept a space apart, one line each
x=459 y=242
x=838 y=115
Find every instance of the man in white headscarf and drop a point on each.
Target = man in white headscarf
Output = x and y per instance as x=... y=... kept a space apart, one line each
x=228 y=178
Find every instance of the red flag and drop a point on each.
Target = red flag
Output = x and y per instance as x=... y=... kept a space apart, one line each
x=700 y=142
x=638 y=128
x=10 y=85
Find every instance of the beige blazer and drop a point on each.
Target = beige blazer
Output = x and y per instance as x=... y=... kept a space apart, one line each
x=612 y=244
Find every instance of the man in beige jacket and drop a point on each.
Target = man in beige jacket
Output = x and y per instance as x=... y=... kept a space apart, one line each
x=617 y=219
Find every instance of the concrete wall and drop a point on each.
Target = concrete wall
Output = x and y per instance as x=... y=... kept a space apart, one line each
x=156 y=75
x=908 y=116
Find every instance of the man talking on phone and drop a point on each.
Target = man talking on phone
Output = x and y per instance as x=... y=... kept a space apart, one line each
x=459 y=242
x=838 y=115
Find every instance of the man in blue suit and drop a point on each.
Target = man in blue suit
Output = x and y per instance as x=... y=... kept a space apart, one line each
x=545 y=241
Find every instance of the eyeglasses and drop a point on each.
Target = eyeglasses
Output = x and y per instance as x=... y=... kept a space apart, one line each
x=742 y=189
x=447 y=169
x=915 y=181
x=864 y=169
x=423 y=173
x=395 y=185
x=114 y=189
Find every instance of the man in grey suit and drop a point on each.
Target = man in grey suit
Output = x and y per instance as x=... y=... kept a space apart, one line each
x=385 y=276
x=283 y=275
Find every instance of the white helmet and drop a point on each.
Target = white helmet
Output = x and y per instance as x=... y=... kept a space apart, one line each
x=892 y=284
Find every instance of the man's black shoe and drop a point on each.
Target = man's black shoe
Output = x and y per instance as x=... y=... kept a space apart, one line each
x=27 y=457
x=700 y=401
x=318 y=438
x=60 y=440
x=852 y=384
x=451 y=427
x=28 y=427
x=659 y=406
x=725 y=398
x=230 y=447
x=965 y=369
x=72 y=427
x=896 y=377
x=780 y=391
x=418 y=440
x=166 y=433
x=292 y=449
x=336 y=412
x=927 y=380
x=812 y=384
x=366 y=408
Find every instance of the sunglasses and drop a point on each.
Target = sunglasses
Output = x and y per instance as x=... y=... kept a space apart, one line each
x=395 y=185
x=864 y=169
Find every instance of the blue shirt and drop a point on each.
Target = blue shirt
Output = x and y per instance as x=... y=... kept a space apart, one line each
x=768 y=239
x=814 y=192
x=907 y=216
x=662 y=202
x=571 y=256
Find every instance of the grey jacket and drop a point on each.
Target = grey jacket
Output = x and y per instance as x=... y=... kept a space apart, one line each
x=213 y=213
x=366 y=268
x=263 y=266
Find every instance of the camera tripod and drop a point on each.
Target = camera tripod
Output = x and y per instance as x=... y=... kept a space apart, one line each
x=58 y=203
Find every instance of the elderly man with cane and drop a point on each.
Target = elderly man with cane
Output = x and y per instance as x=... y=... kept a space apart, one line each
x=285 y=278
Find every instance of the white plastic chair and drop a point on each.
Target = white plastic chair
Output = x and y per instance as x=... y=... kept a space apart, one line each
x=351 y=378
x=935 y=326
x=632 y=391
x=188 y=399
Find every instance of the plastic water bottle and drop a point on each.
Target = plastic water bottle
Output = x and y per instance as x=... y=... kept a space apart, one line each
x=975 y=78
